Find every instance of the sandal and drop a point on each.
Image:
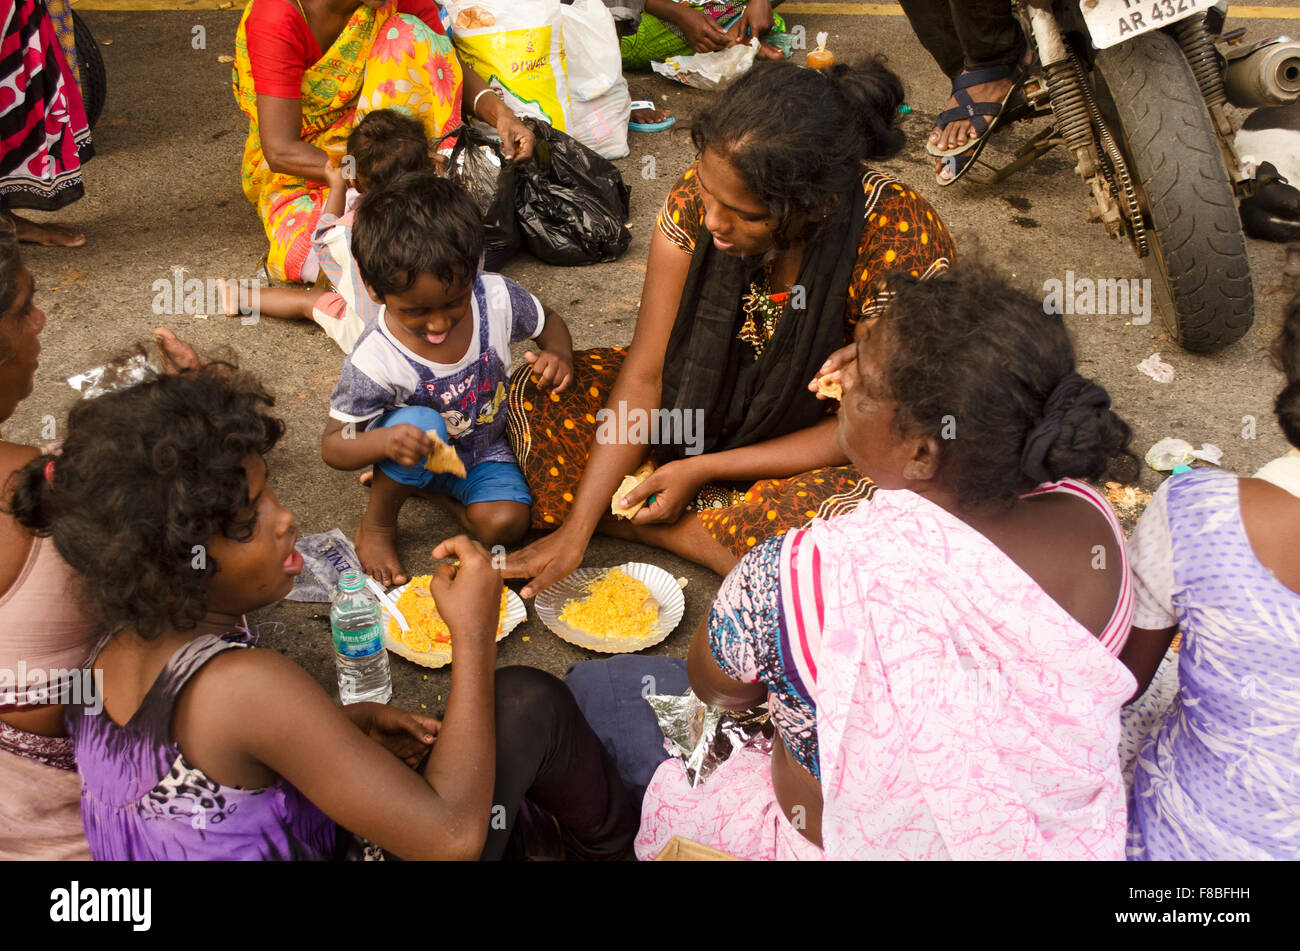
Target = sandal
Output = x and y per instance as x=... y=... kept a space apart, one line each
x=660 y=126
x=984 y=116
x=960 y=162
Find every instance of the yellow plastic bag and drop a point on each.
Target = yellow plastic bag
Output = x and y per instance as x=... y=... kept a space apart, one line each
x=517 y=46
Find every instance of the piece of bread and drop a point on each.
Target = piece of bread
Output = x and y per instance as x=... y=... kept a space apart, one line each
x=628 y=484
x=829 y=388
x=475 y=18
x=443 y=458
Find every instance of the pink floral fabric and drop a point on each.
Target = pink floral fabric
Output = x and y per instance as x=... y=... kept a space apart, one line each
x=962 y=713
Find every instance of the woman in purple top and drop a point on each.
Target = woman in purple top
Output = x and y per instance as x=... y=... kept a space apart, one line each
x=206 y=748
x=1218 y=776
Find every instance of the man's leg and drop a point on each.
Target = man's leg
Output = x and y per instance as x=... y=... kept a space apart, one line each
x=932 y=22
x=547 y=752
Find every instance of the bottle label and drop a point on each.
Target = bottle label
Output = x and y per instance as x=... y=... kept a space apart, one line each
x=359 y=643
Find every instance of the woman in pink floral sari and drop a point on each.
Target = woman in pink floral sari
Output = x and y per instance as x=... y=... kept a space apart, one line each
x=940 y=663
x=307 y=71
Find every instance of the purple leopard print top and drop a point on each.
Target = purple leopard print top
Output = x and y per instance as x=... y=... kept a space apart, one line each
x=141 y=799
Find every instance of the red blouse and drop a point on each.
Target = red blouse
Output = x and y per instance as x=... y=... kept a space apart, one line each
x=281 y=46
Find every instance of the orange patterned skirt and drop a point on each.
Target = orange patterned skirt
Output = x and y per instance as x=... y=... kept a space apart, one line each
x=552 y=436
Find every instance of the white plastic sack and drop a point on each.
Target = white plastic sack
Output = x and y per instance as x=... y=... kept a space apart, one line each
x=601 y=124
x=593 y=62
x=709 y=70
x=516 y=46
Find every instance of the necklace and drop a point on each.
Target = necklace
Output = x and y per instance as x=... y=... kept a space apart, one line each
x=763 y=311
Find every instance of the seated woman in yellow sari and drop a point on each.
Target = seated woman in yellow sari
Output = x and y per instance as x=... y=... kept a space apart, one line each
x=307 y=71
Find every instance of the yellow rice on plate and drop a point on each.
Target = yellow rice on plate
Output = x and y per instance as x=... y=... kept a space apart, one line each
x=429 y=632
x=615 y=607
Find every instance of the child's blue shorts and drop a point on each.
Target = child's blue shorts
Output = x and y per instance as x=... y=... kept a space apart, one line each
x=485 y=482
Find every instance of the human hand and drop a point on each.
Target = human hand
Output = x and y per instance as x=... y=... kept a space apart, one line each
x=701 y=31
x=468 y=594
x=404 y=734
x=551 y=369
x=756 y=21
x=334 y=172
x=546 y=561
x=516 y=138
x=674 y=485
x=830 y=370
x=406 y=445
x=174 y=354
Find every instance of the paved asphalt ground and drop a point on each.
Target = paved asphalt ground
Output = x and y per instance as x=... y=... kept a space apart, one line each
x=163 y=193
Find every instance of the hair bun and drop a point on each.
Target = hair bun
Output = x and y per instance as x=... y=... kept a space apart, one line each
x=874 y=92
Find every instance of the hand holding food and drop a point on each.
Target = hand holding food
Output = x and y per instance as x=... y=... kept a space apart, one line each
x=443 y=457
x=673 y=485
x=405 y=444
x=829 y=374
x=629 y=483
x=468 y=595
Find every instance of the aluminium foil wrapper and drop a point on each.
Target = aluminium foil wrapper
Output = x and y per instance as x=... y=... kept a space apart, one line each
x=701 y=736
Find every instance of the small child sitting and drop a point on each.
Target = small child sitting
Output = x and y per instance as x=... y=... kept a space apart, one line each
x=383 y=145
x=436 y=359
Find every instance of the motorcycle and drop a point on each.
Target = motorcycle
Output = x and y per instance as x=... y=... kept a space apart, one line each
x=1138 y=92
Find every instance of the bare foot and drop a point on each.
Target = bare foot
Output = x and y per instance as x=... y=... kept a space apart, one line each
x=366 y=478
x=51 y=235
x=174 y=354
x=377 y=549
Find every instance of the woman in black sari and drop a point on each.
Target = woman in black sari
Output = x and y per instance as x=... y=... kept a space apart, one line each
x=766 y=253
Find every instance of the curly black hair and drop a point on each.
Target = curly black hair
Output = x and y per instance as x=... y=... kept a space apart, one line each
x=798 y=137
x=144 y=475
x=418 y=223
x=387 y=144
x=1286 y=354
x=972 y=362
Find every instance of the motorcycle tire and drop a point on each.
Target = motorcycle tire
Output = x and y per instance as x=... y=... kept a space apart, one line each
x=94 y=79
x=1200 y=275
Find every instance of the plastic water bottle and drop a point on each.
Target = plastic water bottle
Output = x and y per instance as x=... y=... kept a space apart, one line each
x=359 y=650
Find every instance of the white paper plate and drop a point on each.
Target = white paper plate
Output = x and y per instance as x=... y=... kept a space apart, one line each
x=440 y=655
x=663 y=588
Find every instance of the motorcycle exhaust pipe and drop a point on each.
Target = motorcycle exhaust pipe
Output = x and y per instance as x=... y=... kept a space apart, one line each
x=1266 y=75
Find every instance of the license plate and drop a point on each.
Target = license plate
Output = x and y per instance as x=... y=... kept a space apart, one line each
x=1114 y=21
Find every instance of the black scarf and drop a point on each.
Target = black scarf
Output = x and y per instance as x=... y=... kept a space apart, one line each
x=747 y=400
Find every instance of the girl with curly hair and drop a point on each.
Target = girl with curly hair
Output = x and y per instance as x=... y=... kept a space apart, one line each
x=45 y=636
x=206 y=748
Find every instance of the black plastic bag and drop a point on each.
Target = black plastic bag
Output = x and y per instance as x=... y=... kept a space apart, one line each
x=491 y=183
x=572 y=203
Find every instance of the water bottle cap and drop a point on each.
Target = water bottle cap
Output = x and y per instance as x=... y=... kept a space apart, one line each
x=352 y=581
